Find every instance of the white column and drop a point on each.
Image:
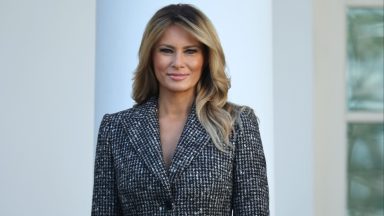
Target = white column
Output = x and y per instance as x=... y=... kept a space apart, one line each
x=330 y=106
x=293 y=107
x=47 y=53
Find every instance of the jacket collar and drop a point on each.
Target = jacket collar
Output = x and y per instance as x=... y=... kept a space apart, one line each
x=143 y=129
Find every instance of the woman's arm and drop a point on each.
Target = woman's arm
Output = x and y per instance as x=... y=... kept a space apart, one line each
x=105 y=196
x=250 y=194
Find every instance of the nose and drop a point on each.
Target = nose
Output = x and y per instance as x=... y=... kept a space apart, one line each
x=178 y=61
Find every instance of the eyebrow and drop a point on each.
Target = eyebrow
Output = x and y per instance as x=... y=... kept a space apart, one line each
x=186 y=47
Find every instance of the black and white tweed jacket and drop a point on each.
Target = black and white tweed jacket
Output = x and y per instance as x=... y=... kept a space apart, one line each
x=131 y=179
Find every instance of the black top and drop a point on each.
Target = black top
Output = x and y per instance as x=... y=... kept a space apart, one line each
x=131 y=177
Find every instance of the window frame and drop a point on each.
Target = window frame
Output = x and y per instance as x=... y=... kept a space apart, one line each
x=359 y=116
x=331 y=114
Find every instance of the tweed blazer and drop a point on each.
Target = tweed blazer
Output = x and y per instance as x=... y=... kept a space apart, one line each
x=131 y=178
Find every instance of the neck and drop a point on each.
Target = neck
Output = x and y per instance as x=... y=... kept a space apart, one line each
x=175 y=105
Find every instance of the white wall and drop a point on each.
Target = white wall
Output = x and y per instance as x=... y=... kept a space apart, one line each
x=47 y=53
x=245 y=29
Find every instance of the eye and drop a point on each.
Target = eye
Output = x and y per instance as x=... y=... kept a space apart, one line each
x=191 y=51
x=166 y=50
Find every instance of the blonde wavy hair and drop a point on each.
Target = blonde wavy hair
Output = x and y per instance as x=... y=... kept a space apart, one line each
x=215 y=114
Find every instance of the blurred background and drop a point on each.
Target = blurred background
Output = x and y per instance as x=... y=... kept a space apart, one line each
x=311 y=69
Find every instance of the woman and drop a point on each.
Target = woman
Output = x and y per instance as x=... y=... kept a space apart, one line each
x=183 y=149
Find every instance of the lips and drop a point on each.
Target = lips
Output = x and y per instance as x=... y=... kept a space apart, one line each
x=177 y=76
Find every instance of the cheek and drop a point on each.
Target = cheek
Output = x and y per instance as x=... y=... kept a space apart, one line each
x=197 y=65
x=159 y=63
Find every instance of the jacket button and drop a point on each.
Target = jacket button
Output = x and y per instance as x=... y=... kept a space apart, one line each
x=168 y=205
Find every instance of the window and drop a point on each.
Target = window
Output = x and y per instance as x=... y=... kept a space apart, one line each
x=365 y=105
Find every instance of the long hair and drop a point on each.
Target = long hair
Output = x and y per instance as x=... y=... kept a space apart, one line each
x=213 y=111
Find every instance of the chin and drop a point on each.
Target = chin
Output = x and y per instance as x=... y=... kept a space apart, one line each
x=178 y=88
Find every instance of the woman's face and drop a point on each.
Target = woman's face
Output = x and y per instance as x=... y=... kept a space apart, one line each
x=178 y=60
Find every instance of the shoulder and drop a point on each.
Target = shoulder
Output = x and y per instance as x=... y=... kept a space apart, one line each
x=137 y=111
x=248 y=116
x=246 y=133
x=243 y=116
x=114 y=118
x=245 y=124
x=113 y=124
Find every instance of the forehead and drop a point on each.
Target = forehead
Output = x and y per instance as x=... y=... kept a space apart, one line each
x=177 y=34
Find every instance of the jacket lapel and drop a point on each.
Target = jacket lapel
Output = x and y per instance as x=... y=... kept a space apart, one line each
x=193 y=139
x=142 y=128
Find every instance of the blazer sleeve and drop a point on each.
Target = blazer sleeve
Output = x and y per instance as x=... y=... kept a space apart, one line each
x=105 y=195
x=250 y=193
